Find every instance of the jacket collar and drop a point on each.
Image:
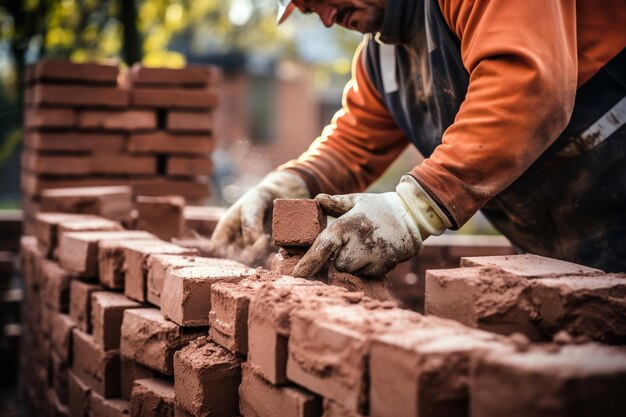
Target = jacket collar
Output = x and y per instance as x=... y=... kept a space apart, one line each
x=400 y=21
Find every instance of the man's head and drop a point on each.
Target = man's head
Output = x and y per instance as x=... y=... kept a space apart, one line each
x=365 y=16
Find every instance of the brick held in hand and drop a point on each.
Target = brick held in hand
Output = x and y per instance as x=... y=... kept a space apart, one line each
x=259 y=398
x=151 y=340
x=161 y=215
x=107 y=313
x=297 y=222
x=85 y=73
x=80 y=303
x=198 y=369
x=152 y=397
x=549 y=381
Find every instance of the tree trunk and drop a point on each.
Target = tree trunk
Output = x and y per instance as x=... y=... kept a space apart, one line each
x=132 y=43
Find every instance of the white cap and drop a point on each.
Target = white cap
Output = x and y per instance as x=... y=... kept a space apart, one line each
x=285 y=7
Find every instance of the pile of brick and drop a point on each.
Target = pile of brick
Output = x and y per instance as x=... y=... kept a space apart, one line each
x=10 y=317
x=93 y=125
x=122 y=323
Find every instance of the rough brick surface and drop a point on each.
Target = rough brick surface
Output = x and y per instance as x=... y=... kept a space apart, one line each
x=79 y=394
x=130 y=371
x=201 y=219
x=187 y=291
x=193 y=190
x=61 y=336
x=161 y=215
x=107 y=313
x=333 y=409
x=377 y=289
x=135 y=264
x=151 y=340
x=114 y=407
x=583 y=380
x=113 y=203
x=199 y=369
x=189 y=166
x=152 y=397
x=96 y=368
x=296 y=222
x=47 y=229
x=57 y=370
x=530 y=266
x=259 y=398
x=30 y=259
x=80 y=303
x=97 y=224
x=55 y=286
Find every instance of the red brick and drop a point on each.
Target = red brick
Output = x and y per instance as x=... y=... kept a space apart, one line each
x=197 y=369
x=130 y=372
x=30 y=258
x=296 y=222
x=71 y=95
x=377 y=289
x=55 y=290
x=124 y=165
x=284 y=263
x=113 y=203
x=329 y=345
x=151 y=340
x=47 y=228
x=187 y=291
x=80 y=303
x=201 y=220
x=59 y=70
x=192 y=190
x=424 y=369
x=54 y=407
x=61 y=336
x=184 y=166
x=191 y=76
x=96 y=368
x=78 y=396
x=178 y=121
x=161 y=215
x=96 y=224
x=33 y=185
x=107 y=313
x=58 y=370
x=55 y=164
x=111 y=256
x=124 y=120
x=333 y=409
x=152 y=397
x=172 y=98
x=113 y=407
x=78 y=251
x=163 y=142
x=584 y=380
x=49 y=118
x=135 y=264
x=530 y=266
x=259 y=398
x=83 y=142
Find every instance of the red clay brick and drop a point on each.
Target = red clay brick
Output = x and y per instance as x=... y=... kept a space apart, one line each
x=61 y=336
x=49 y=118
x=33 y=185
x=55 y=288
x=53 y=406
x=78 y=396
x=201 y=220
x=296 y=222
x=72 y=95
x=113 y=407
x=187 y=291
x=153 y=397
x=107 y=313
x=424 y=369
x=161 y=215
x=584 y=380
x=55 y=164
x=135 y=264
x=284 y=263
x=59 y=70
x=96 y=368
x=113 y=203
x=78 y=251
x=124 y=120
x=151 y=340
x=192 y=190
x=184 y=166
x=197 y=369
x=80 y=303
x=335 y=338
x=111 y=256
x=377 y=289
x=333 y=409
x=124 y=165
x=30 y=258
x=179 y=121
x=130 y=371
x=58 y=374
x=259 y=398
x=77 y=142
x=171 y=98
x=530 y=266
x=163 y=142
x=47 y=229
x=191 y=76
x=97 y=224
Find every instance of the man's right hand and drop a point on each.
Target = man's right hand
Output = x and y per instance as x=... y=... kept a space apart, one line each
x=244 y=233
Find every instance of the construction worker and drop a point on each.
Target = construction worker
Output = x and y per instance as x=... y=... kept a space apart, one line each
x=518 y=108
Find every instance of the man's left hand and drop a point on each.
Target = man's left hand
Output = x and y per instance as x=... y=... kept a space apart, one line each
x=374 y=232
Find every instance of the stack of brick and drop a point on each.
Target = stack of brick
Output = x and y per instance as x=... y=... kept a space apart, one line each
x=10 y=317
x=93 y=125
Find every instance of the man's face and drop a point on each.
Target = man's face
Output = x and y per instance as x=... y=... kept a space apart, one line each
x=365 y=16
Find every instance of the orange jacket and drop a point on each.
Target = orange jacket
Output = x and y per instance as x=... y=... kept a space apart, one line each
x=525 y=61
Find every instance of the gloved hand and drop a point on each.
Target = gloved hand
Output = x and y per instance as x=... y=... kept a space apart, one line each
x=244 y=231
x=374 y=232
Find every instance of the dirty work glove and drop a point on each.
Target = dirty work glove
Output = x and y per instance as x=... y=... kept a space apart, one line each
x=244 y=231
x=374 y=232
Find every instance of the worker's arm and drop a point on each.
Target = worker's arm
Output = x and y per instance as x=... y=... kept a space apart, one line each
x=522 y=64
x=359 y=144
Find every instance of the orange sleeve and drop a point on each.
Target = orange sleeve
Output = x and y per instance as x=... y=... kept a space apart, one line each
x=357 y=146
x=521 y=60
